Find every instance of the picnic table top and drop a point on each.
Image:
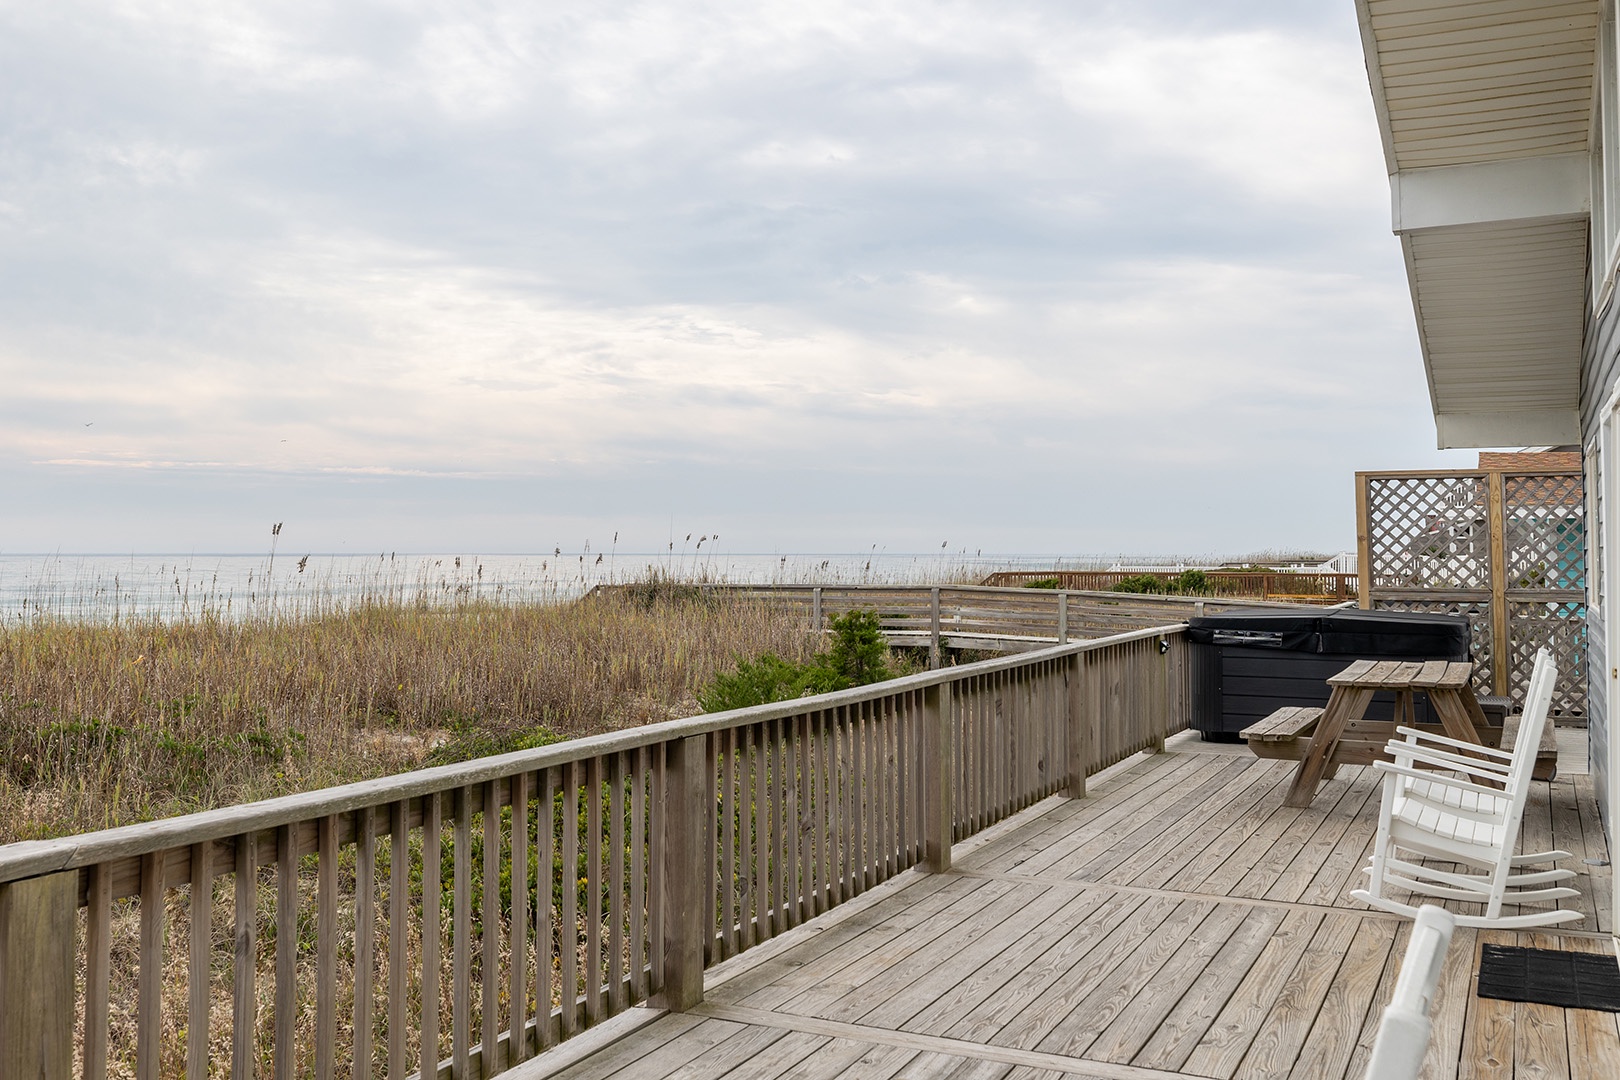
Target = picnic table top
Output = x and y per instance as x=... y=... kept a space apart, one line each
x=1404 y=675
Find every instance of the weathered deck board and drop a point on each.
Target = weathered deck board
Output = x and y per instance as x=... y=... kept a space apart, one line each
x=1179 y=921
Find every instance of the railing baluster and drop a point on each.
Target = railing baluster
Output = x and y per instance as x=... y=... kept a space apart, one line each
x=937 y=776
x=912 y=752
x=98 y=972
x=891 y=805
x=638 y=872
x=616 y=913
x=489 y=932
x=568 y=939
x=594 y=1013
x=545 y=912
x=202 y=935
x=285 y=1051
x=517 y=987
x=871 y=796
x=995 y=702
x=918 y=743
x=747 y=836
x=762 y=834
x=712 y=946
x=793 y=777
x=660 y=832
x=461 y=935
x=774 y=789
x=245 y=963
x=837 y=801
x=822 y=795
x=973 y=818
x=727 y=809
x=802 y=818
x=326 y=910
x=149 y=994
x=399 y=854
x=859 y=864
x=365 y=938
x=432 y=934
x=965 y=759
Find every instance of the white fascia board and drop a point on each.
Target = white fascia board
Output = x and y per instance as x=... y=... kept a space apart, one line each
x=1526 y=427
x=1520 y=189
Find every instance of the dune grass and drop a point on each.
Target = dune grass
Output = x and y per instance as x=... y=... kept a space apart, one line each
x=107 y=723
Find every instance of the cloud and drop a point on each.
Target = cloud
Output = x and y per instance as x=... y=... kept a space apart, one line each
x=511 y=241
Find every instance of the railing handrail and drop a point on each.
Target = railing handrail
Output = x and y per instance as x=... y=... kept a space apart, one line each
x=34 y=858
x=1166 y=599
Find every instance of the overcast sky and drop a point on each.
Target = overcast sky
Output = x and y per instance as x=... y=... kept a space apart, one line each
x=502 y=276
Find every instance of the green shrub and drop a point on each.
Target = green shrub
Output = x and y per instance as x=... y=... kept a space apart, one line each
x=1192 y=583
x=1188 y=582
x=859 y=655
x=758 y=682
x=1044 y=583
x=1140 y=583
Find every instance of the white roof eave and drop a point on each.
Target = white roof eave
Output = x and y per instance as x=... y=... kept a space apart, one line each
x=1492 y=214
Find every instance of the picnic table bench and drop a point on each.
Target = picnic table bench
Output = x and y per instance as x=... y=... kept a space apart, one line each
x=1322 y=739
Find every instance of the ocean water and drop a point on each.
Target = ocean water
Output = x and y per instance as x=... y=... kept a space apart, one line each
x=171 y=586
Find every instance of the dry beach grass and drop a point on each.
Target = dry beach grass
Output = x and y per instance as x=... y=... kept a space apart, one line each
x=105 y=723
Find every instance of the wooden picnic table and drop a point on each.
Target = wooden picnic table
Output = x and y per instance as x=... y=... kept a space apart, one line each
x=1343 y=735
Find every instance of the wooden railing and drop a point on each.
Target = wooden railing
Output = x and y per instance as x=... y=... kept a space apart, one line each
x=450 y=922
x=1310 y=587
x=986 y=618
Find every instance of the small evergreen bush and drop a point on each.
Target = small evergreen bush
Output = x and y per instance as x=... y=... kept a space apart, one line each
x=757 y=682
x=859 y=656
x=1139 y=583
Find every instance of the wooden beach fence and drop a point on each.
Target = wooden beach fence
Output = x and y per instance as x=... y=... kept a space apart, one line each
x=984 y=618
x=449 y=923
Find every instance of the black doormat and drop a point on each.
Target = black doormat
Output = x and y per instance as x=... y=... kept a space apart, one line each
x=1570 y=980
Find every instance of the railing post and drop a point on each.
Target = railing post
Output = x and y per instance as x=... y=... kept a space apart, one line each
x=938 y=772
x=1079 y=730
x=815 y=608
x=685 y=872
x=1501 y=662
x=933 y=629
x=38 y=918
x=1063 y=618
x=1363 y=544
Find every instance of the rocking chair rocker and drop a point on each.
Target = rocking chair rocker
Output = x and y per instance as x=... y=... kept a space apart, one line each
x=1467 y=813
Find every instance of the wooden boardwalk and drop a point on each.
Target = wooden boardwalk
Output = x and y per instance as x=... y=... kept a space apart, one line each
x=1180 y=921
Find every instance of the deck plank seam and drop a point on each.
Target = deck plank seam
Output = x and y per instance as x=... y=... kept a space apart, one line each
x=939 y=1044
x=1250 y=901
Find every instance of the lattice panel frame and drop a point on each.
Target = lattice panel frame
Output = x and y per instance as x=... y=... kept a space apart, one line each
x=1479 y=630
x=1561 y=626
x=1545 y=518
x=1429 y=532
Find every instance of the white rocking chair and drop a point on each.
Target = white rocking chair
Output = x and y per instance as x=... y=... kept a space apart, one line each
x=1470 y=817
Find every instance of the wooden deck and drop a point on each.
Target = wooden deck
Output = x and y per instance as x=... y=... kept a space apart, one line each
x=1181 y=921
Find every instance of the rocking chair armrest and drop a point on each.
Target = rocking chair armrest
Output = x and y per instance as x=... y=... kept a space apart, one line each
x=1419 y=738
x=1438 y=779
x=1405 y=753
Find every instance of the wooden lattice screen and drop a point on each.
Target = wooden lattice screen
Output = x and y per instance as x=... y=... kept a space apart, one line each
x=1506 y=549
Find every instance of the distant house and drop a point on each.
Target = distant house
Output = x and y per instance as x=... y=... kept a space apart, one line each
x=1501 y=132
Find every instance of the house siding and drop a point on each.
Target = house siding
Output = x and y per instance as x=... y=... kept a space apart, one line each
x=1600 y=367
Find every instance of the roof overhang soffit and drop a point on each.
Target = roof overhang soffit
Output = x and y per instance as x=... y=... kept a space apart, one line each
x=1484 y=111
x=1518 y=427
x=1525 y=190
